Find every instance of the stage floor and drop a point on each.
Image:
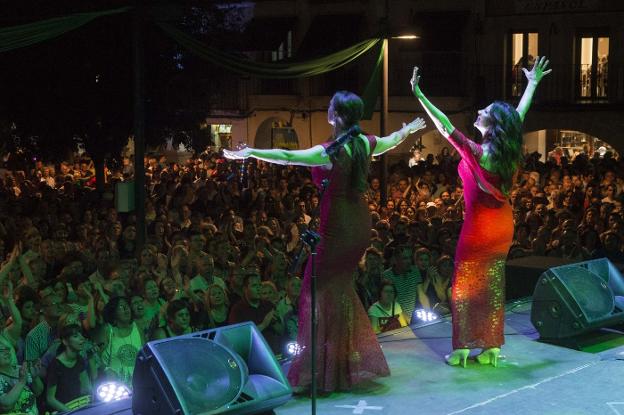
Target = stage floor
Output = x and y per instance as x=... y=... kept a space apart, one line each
x=533 y=378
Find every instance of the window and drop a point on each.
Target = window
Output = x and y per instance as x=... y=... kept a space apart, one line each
x=523 y=50
x=284 y=50
x=593 y=63
x=221 y=135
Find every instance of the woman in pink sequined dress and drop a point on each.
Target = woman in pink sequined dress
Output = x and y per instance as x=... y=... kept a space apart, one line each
x=488 y=172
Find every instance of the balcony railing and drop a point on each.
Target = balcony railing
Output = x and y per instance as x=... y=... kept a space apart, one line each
x=349 y=78
x=257 y=86
x=567 y=84
x=442 y=75
x=225 y=93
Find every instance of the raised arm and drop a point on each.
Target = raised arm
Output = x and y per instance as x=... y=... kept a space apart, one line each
x=461 y=143
x=15 y=329
x=441 y=121
x=534 y=77
x=313 y=156
x=5 y=269
x=389 y=142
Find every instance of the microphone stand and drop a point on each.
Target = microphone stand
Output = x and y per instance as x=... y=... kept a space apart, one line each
x=311 y=239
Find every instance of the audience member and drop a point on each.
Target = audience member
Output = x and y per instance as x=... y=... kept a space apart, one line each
x=386 y=314
x=219 y=236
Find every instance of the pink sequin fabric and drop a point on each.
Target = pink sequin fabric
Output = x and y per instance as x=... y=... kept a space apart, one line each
x=478 y=294
x=348 y=351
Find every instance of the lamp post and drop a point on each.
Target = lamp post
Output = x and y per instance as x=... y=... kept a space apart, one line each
x=383 y=121
x=139 y=123
x=383 y=116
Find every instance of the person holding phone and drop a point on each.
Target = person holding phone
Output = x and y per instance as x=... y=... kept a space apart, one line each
x=68 y=377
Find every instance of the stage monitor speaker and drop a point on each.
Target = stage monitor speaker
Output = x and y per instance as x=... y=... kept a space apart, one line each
x=574 y=299
x=521 y=274
x=227 y=370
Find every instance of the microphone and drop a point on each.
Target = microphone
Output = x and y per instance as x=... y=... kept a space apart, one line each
x=324 y=184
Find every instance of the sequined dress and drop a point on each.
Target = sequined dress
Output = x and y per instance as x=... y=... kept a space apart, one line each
x=348 y=351
x=478 y=293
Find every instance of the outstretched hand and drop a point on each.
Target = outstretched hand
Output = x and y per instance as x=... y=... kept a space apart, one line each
x=412 y=127
x=415 y=80
x=539 y=70
x=237 y=155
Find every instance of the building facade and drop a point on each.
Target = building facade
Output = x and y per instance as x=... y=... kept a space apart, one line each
x=470 y=54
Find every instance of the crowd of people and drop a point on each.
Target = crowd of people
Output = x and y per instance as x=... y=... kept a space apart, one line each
x=80 y=298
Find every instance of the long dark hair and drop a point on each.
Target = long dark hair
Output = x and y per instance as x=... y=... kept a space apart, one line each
x=110 y=309
x=65 y=333
x=349 y=108
x=505 y=137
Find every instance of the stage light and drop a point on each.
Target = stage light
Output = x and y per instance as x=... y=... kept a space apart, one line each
x=406 y=37
x=293 y=348
x=425 y=315
x=112 y=391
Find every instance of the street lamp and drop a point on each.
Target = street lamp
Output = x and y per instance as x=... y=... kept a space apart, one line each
x=383 y=119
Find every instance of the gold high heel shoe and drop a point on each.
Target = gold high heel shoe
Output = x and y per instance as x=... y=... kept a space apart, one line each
x=489 y=356
x=459 y=356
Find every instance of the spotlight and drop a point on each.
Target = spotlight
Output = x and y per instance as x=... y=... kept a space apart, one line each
x=425 y=315
x=112 y=391
x=293 y=349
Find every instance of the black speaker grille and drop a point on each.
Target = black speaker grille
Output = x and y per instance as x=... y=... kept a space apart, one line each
x=590 y=291
x=206 y=376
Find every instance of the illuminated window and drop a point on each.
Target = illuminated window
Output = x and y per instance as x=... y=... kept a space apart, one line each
x=523 y=51
x=284 y=50
x=221 y=135
x=593 y=66
x=224 y=128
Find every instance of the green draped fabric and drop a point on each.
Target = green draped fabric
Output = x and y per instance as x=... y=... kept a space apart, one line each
x=269 y=70
x=289 y=70
x=372 y=89
x=16 y=37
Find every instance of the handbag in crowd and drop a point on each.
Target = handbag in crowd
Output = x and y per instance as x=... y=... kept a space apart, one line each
x=392 y=323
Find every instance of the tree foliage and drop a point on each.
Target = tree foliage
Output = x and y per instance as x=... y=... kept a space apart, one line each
x=79 y=87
